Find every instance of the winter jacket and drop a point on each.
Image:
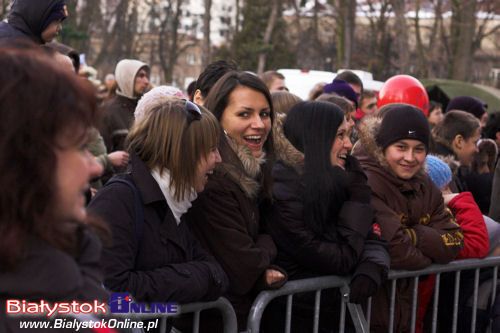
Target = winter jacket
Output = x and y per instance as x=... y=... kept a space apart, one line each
x=476 y=242
x=118 y=113
x=49 y=274
x=494 y=211
x=164 y=263
x=412 y=219
x=226 y=219
x=26 y=19
x=302 y=252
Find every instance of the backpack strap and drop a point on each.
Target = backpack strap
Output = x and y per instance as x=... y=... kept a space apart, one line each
x=139 y=218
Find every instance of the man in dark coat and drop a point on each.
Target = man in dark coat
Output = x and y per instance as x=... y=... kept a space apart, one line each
x=132 y=78
x=36 y=20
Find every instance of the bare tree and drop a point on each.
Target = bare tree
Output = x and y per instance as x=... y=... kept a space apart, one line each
x=463 y=24
x=401 y=36
x=346 y=23
x=117 y=40
x=206 y=34
x=267 y=36
x=378 y=49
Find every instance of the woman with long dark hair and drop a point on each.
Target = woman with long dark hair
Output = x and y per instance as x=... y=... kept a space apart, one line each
x=322 y=221
x=226 y=217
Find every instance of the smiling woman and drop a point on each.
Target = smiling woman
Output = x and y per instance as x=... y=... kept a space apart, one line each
x=173 y=149
x=322 y=220
x=226 y=216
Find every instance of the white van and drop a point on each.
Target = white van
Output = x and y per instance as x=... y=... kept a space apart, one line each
x=300 y=81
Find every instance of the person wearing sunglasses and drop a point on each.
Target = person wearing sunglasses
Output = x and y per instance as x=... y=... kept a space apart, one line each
x=173 y=150
x=226 y=217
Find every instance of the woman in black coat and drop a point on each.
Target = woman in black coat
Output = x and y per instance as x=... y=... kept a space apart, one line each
x=322 y=221
x=173 y=148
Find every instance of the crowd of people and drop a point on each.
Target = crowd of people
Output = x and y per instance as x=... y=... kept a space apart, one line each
x=235 y=187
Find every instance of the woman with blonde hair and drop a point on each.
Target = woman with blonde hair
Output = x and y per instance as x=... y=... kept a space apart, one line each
x=173 y=149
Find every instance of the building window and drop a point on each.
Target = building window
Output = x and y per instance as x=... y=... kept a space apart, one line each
x=190 y=59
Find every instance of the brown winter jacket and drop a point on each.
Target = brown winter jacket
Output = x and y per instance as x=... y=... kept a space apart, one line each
x=225 y=218
x=412 y=219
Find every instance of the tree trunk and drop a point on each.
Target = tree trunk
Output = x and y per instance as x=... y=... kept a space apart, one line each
x=206 y=34
x=401 y=32
x=267 y=36
x=463 y=24
x=422 y=63
x=348 y=29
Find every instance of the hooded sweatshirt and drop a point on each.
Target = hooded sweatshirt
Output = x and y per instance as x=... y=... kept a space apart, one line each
x=26 y=19
x=125 y=73
x=118 y=114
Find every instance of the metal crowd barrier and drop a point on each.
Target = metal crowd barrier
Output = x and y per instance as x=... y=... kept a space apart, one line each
x=221 y=304
x=360 y=320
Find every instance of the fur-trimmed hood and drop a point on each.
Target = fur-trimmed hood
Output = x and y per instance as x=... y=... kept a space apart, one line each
x=285 y=151
x=248 y=177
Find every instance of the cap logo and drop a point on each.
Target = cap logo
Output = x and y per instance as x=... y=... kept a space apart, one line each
x=412 y=133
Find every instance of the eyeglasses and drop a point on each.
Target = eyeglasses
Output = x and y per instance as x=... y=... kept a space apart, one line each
x=193 y=112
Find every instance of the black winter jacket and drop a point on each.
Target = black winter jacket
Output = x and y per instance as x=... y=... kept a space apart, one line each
x=303 y=253
x=169 y=263
x=49 y=274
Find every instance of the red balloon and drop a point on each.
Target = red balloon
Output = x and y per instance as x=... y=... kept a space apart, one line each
x=404 y=89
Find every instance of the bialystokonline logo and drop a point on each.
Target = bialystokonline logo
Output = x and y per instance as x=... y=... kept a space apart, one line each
x=118 y=303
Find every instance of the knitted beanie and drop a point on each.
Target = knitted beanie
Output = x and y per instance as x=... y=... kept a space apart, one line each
x=403 y=122
x=468 y=104
x=59 y=11
x=341 y=88
x=155 y=97
x=438 y=170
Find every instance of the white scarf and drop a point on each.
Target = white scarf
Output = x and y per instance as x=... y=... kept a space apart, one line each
x=178 y=208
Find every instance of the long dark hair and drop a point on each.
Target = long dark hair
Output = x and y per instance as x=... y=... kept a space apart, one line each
x=311 y=127
x=217 y=101
x=40 y=106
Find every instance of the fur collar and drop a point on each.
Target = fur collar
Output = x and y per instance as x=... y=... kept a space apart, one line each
x=247 y=175
x=285 y=151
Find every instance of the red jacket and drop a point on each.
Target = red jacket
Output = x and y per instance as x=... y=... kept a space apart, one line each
x=469 y=217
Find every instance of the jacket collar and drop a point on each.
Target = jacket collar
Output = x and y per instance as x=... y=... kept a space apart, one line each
x=243 y=167
x=146 y=184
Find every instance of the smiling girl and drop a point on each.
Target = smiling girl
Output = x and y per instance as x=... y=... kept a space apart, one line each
x=226 y=216
x=322 y=220
x=406 y=203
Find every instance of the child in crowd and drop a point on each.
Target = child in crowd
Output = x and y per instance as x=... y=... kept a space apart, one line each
x=407 y=205
x=467 y=215
x=456 y=136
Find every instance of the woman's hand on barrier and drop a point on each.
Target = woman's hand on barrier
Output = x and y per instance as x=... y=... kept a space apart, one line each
x=273 y=276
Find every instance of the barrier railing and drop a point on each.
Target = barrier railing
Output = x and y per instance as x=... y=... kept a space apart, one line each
x=360 y=320
x=221 y=304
